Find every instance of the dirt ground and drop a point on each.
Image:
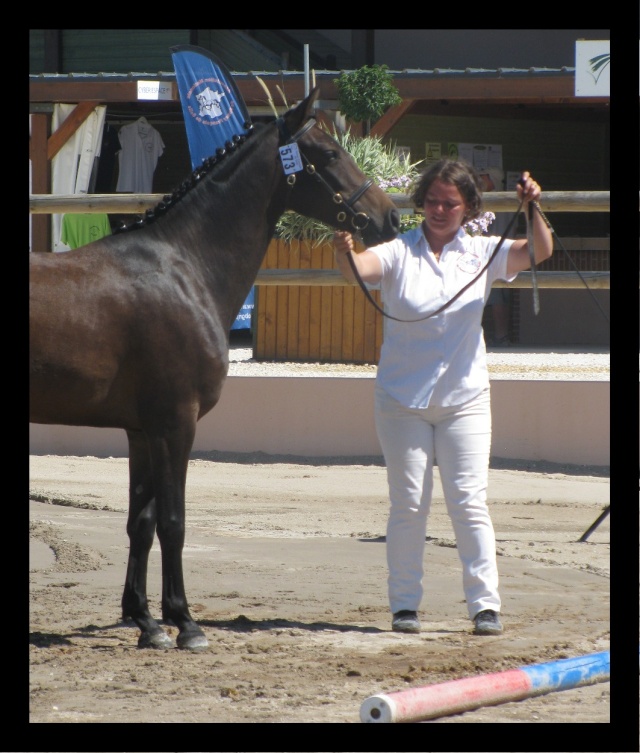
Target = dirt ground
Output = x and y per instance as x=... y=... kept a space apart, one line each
x=285 y=571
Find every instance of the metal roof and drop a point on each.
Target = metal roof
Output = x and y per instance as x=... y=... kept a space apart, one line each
x=405 y=73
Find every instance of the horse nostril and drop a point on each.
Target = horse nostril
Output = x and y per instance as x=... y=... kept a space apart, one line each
x=391 y=227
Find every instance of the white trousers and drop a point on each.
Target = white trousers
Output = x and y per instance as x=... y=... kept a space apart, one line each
x=458 y=439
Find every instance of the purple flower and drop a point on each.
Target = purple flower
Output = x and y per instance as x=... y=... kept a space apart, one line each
x=480 y=225
x=398 y=184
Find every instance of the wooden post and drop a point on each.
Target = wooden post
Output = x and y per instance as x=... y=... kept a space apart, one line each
x=40 y=178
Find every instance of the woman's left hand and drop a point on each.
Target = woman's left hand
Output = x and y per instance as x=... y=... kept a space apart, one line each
x=527 y=188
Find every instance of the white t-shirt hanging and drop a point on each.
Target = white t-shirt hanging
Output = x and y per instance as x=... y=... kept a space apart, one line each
x=142 y=146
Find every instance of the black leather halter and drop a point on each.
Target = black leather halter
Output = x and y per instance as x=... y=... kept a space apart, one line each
x=359 y=220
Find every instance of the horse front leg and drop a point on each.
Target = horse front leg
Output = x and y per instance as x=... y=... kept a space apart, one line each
x=141 y=527
x=170 y=458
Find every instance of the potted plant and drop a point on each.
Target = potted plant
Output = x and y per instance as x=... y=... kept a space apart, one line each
x=366 y=93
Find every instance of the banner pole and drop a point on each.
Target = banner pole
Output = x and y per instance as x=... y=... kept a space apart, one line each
x=306 y=70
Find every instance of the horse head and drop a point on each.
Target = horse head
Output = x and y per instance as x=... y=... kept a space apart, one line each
x=347 y=199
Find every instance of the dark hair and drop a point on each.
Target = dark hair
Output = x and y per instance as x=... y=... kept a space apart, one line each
x=458 y=174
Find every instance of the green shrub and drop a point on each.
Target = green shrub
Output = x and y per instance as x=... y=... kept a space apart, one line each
x=366 y=93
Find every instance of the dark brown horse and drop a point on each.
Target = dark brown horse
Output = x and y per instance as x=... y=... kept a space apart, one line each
x=132 y=331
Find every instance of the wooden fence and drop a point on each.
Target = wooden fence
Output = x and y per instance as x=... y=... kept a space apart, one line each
x=494 y=201
x=305 y=310
x=330 y=321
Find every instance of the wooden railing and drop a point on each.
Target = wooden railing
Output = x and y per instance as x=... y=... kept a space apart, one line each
x=497 y=201
x=331 y=277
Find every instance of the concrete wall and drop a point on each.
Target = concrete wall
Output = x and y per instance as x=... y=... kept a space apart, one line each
x=561 y=422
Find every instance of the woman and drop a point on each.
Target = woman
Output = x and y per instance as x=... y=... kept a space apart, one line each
x=432 y=400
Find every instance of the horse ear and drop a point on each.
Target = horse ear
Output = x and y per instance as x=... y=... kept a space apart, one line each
x=311 y=99
x=302 y=111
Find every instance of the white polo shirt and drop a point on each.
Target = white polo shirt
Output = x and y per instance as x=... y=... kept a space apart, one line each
x=441 y=360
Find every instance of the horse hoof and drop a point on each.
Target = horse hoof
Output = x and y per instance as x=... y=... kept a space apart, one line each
x=193 y=641
x=156 y=639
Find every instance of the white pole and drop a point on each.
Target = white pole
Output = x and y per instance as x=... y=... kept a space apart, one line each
x=306 y=70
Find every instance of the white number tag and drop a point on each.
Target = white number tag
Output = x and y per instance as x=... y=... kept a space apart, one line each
x=291 y=160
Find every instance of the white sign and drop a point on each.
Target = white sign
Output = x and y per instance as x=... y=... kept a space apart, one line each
x=592 y=68
x=154 y=90
x=290 y=158
x=481 y=156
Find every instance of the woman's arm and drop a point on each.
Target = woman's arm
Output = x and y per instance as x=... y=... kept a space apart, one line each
x=366 y=262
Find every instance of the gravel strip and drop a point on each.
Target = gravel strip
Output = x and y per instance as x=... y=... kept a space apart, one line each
x=561 y=364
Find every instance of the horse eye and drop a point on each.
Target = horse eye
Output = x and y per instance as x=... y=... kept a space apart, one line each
x=331 y=155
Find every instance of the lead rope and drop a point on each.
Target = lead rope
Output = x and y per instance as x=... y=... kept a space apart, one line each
x=566 y=253
x=536 y=303
x=455 y=297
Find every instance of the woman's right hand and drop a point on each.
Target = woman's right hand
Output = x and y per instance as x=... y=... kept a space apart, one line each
x=343 y=242
x=366 y=262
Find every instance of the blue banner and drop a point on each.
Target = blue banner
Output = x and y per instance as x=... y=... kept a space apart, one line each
x=213 y=108
x=214 y=112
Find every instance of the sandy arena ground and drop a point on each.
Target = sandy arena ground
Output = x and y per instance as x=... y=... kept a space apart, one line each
x=285 y=570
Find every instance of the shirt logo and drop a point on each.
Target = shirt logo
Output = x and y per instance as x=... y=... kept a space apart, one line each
x=469 y=262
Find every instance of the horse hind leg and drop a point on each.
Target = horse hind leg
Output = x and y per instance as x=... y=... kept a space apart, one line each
x=141 y=527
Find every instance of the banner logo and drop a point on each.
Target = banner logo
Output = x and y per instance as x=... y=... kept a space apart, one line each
x=210 y=103
x=213 y=108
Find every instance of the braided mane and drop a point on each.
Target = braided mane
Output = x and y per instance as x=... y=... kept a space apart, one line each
x=196 y=176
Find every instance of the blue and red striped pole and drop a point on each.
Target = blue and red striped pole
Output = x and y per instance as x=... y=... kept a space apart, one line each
x=456 y=696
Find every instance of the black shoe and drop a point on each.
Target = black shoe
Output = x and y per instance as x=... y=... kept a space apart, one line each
x=487 y=622
x=405 y=621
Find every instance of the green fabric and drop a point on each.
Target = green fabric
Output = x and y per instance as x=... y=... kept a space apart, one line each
x=80 y=229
